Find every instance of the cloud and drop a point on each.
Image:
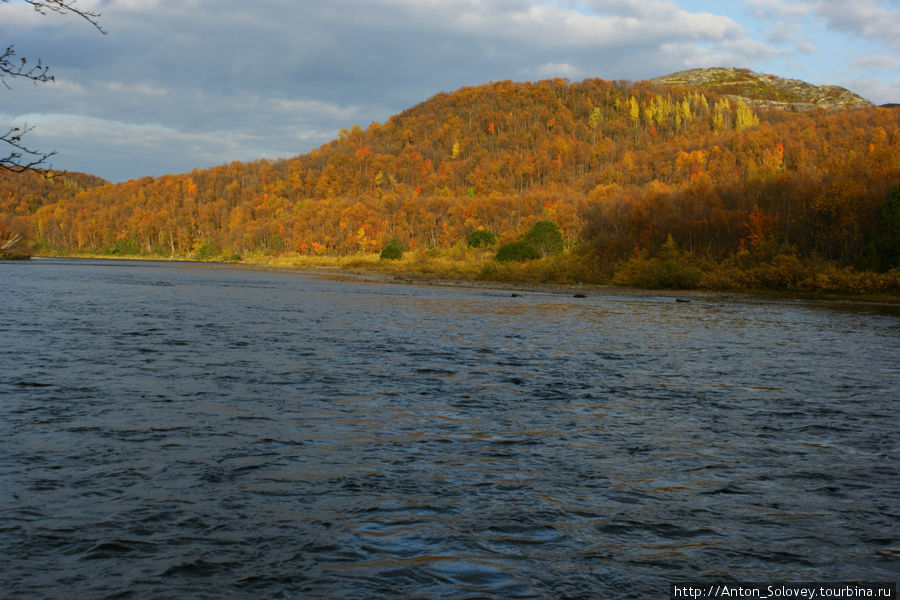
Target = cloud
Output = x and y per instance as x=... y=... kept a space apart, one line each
x=92 y=143
x=116 y=87
x=19 y=14
x=877 y=62
x=779 y=9
x=782 y=32
x=867 y=19
x=874 y=77
x=312 y=109
x=551 y=70
x=332 y=46
x=877 y=90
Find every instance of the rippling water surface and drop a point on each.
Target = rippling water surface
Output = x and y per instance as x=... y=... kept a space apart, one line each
x=191 y=431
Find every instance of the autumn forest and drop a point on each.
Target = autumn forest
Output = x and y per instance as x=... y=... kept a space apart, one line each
x=649 y=185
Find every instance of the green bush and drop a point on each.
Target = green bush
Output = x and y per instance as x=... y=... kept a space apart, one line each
x=668 y=274
x=669 y=269
x=124 y=246
x=782 y=272
x=517 y=251
x=654 y=273
x=883 y=252
x=545 y=237
x=481 y=237
x=205 y=250
x=392 y=250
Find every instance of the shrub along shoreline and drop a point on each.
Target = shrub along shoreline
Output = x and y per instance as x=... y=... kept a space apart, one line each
x=782 y=275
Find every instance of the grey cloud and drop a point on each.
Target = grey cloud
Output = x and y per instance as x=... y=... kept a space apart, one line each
x=867 y=19
x=864 y=18
x=877 y=62
x=782 y=32
x=877 y=90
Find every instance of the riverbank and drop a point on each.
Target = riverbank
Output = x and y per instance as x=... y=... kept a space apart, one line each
x=881 y=304
x=476 y=268
x=564 y=275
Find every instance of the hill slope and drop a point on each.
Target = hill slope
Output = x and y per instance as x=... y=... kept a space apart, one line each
x=766 y=91
x=619 y=166
x=22 y=194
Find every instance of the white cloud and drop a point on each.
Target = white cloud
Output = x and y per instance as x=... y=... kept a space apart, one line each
x=550 y=70
x=307 y=108
x=67 y=86
x=133 y=89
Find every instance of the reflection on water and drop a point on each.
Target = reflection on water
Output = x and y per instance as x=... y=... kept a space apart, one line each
x=208 y=432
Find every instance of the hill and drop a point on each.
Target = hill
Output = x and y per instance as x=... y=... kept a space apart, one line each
x=766 y=91
x=620 y=167
x=22 y=194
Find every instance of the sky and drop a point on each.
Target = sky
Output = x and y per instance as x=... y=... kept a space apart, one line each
x=177 y=85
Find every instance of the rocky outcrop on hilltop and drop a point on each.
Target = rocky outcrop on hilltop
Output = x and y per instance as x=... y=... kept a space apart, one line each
x=762 y=90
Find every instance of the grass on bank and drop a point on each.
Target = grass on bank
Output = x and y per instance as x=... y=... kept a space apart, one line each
x=673 y=271
x=782 y=273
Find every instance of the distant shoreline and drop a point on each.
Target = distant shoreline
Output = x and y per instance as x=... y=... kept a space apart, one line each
x=600 y=290
x=356 y=273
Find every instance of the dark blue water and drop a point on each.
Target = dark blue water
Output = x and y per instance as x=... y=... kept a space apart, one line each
x=183 y=431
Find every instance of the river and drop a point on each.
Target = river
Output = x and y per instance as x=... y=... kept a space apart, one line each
x=200 y=431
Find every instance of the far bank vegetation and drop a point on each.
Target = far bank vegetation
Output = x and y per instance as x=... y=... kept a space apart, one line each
x=651 y=186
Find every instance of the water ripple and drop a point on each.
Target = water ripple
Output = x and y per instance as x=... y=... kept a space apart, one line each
x=208 y=432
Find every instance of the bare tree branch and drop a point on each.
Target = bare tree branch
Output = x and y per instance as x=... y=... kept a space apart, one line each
x=66 y=7
x=20 y=68
x=20 y=157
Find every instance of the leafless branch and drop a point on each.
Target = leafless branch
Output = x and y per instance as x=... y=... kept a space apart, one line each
x=9 y=67
x=66 y=7
x=21 y=158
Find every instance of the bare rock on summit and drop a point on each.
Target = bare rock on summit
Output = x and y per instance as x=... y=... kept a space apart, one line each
x=767 y=91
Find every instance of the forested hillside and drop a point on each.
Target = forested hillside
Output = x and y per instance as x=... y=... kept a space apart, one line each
x=620 y=167
x=22 y=194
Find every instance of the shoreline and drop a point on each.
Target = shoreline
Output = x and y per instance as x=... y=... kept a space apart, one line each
x=588 y=289
x=573 y=290
x=356 y=273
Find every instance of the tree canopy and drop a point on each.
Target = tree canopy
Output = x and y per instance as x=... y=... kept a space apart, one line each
x=545 y=237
